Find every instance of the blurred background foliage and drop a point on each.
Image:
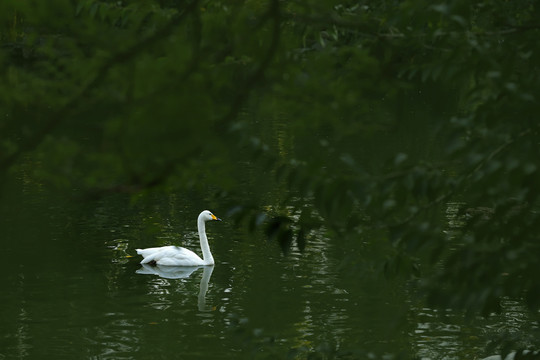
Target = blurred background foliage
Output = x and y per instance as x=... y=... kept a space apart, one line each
x=400 y=117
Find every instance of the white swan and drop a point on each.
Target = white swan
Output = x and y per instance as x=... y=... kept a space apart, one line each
x=179 y=256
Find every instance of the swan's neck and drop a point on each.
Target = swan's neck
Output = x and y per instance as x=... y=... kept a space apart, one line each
x=207 y=255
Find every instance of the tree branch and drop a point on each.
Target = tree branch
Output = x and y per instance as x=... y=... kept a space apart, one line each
x=58 y=117
x=274 y=13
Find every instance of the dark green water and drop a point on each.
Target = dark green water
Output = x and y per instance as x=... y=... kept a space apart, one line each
x=70 y=290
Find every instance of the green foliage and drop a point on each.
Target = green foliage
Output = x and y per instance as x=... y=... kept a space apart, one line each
x=380 y=115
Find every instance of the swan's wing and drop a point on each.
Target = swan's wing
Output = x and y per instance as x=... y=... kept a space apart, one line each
x=150 y=254
x=170 y=256
x=149 y=251
x=180 y=256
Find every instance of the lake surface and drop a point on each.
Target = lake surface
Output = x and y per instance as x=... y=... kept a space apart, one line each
x=73 y=288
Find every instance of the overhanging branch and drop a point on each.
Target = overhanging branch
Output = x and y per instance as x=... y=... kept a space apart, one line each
x=62 y=114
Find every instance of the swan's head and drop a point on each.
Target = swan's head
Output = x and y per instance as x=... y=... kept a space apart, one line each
x=208 y=216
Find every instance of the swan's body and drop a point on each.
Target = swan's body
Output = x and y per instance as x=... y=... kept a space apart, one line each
x=179 y=256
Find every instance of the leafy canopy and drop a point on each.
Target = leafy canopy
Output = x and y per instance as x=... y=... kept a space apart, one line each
x=395 y=116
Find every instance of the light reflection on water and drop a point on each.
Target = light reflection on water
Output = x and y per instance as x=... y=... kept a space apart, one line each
x=436 y=337
x=98 y=305
x=448 y=335
x=303 y=276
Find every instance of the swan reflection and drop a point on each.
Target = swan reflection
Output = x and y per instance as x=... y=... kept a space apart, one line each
x=182 y=272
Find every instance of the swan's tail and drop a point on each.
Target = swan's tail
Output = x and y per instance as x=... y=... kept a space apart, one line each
x=147 y=254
